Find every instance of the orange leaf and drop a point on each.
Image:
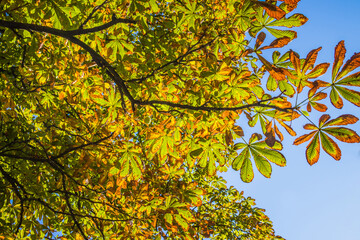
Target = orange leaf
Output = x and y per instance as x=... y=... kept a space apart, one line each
x=339 y=58
x=278 y=133
x=310 y=127
x=350 y=65
x=323 y=119
x=343 y=120
x=278 y=73
x=288 y=128
x=304 y=138
x=308 y=107
x=272 y=10
x=310 y=59
x=319 y=96
x=318 y=70
x=290 y=1
x=319 y=106
x=278 y=43
x=283 y=103
x=294 y=58
x=316 y=85
x=62 y=95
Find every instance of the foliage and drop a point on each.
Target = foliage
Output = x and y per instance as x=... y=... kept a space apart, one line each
x=116 y=116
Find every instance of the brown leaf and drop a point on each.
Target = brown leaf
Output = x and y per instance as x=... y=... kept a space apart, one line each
x=350 y=65
x=308 y=107
x=278 y=43
x=295 y=60
x=319 y=96
x=228 y=137
x=316 y=85
x=310 y=59
x=290 y=1
x=323 y=119
x=318 y=70
x=272 y=10
x=260 y=39
x=239 y=131
x=270 y=138
x=319 y=106
x=340 y=51
x=343 y=120
x=248 y=116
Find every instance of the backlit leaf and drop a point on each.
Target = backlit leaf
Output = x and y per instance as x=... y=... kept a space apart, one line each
x=342 y=120
x=310 y=59
x=313 y=150
x=339 y=58
x=318 y=70
x=262 y=164
x=350 y=65
x=272 y=10
x=304 y=138
x=343 y=134
x=240 y=159
x=246 y=172
x=330 y=146
x=295 y=20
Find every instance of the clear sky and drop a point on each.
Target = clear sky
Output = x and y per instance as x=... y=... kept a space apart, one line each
x=319 y=202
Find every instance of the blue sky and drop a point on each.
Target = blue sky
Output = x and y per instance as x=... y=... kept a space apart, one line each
x=319 y=202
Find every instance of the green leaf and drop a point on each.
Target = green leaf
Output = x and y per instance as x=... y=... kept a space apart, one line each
x=181 y=221
x=196 y=152
x=350 y=95
x=295 y=20
x=246 y=172
x=313 y=150
x=113 y=170
x=330 y=146
x=240 y=159
x=271 y=155
x=343 y=134
x=261 y=163
x=168 y=218
x=282 y=33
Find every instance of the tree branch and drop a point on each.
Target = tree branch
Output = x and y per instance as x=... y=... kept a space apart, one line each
x=208 y=109
x=71 y=210
x=111 y=72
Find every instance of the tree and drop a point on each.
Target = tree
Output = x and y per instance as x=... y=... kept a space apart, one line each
x=116 y=116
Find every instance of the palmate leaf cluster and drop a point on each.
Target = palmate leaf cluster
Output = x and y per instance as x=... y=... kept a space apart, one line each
x=117 y=116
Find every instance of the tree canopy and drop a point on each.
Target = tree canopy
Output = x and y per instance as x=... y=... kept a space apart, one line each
x=117 y=116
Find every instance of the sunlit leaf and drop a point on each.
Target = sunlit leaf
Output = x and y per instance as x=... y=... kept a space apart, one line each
x=313 y=150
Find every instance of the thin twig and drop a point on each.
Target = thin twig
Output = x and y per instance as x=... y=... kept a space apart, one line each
x=92 y=13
